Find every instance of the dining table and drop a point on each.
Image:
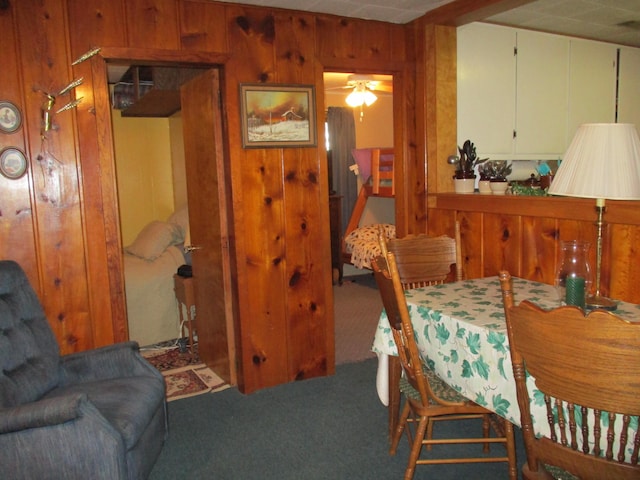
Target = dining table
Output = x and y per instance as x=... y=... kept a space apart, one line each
x=461 y=333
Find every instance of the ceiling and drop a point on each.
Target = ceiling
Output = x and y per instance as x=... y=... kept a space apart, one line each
x=616 y=21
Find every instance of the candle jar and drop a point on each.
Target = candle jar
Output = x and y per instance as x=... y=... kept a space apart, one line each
x=574 y=264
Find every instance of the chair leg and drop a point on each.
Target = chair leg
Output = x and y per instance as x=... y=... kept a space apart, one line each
x=486 y=431
x=400 y=428
x=416 y=447
x=429 y=435
x=511 y=449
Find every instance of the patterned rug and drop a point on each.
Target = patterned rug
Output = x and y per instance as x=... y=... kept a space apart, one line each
x=185 y=375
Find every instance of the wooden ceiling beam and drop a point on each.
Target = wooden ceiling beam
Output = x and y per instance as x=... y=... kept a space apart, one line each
x=461 y=12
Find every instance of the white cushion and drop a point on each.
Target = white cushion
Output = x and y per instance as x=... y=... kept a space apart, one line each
x=154 y=239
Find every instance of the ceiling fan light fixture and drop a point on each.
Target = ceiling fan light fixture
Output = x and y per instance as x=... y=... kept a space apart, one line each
x=360 y=96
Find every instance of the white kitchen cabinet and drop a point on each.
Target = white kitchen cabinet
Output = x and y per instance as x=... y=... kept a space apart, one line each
x=592 y=84
x=512 y=106
x=486 y=88
x=629 y=86
x=542 y=95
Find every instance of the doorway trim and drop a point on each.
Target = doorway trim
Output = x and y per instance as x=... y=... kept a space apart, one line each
x=103 y=151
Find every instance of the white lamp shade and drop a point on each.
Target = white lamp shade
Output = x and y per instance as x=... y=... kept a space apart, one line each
x=603 y=161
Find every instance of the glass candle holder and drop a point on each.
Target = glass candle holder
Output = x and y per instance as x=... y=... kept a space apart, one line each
x=574 y=264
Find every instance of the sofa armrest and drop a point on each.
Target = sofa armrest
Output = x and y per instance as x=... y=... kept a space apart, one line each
x=112 y=361
x=43 y=413
x=60 y=437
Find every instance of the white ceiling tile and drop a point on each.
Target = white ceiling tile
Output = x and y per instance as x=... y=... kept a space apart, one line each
x=583 y=18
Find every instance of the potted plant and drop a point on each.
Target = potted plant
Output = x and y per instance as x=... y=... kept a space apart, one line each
x=465 y=176
x=484 y=184
x=497 y=172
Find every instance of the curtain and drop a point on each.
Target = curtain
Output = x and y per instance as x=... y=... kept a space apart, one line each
x=342 y=140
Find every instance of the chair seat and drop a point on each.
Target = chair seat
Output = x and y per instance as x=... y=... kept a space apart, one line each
x=126 y=403
x=560 y=474
x=439 y=387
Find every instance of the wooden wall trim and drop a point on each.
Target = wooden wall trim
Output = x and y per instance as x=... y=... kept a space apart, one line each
x=583 y=209
x=179 y=57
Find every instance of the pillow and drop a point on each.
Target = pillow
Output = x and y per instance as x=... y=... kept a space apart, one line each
x=180 y=218
x=154 y=239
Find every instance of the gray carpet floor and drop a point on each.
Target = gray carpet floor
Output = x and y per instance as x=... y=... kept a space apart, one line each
x=357 y=307
x=328 y=428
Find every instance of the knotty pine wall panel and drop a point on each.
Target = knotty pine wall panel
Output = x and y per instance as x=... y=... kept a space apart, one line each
x=60 y=255
x=96 y=23
x=152 y=24
x=529 y=244
x=310 y=326
x=259 y=192
x=360 y=40
x=203 y=26
x=17 y=240
x=538 y=247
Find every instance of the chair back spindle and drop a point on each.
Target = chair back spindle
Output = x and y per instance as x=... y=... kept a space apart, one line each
x=587 y=374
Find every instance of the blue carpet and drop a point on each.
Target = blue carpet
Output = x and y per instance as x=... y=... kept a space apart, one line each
x=323 y=428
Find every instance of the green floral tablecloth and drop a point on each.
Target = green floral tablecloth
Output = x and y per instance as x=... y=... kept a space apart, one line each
x=461 y=334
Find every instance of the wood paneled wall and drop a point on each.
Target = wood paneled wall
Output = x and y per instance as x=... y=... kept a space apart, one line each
x=523 y=235
x=60 y=221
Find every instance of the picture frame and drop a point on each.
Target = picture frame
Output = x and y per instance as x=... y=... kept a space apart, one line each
x=278 y=115
x=10 y=117
x=13 y=163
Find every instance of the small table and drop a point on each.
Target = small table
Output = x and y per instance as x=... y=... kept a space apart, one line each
x=183 y=287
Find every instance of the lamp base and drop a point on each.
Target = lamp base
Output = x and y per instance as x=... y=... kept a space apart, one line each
x=598 y=301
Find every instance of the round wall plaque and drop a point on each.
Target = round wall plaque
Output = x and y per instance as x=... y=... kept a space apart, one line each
x=13 y=163
x=10 y=117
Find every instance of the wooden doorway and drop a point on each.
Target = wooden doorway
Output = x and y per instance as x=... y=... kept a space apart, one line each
x=215 y=296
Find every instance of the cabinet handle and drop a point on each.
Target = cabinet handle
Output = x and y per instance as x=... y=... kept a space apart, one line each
x=191 y=248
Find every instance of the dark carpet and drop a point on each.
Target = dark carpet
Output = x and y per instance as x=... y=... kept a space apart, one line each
x=318 y=429
x=357 y=307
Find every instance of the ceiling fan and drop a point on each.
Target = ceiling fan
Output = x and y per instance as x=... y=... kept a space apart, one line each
x=380 y=83
x=362 y=87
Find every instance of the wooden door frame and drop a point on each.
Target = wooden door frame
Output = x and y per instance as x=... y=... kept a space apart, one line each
x=399 y=73
x=106 y=158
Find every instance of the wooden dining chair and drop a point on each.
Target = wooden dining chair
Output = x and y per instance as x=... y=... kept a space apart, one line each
x=428 y=398
x=587 y=371
x=424 y=260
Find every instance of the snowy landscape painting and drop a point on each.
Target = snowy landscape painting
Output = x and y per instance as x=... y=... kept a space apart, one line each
x=276 y=115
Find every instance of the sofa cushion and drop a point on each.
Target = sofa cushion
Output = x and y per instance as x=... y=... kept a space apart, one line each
x=128 y=404
x=29 y=353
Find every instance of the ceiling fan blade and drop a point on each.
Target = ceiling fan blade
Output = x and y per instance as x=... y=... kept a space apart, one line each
x=383 y=87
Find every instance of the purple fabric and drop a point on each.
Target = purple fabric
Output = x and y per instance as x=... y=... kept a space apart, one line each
x=362 y=157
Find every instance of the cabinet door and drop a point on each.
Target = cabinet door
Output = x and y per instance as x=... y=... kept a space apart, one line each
x=592 y=84
x=542 y=94
x=629 y=86
x=486 y=88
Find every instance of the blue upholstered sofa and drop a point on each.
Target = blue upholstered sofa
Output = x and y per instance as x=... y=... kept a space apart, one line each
x=89 y=415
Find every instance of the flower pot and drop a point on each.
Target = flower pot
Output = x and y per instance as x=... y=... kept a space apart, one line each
x=464 y=185
x=484 y=186
x=499 y=188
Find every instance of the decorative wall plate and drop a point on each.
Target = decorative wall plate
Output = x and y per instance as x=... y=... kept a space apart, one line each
x=10 y=117
x=13 y=163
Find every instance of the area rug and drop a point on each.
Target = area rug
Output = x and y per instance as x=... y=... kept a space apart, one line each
x=184 y=374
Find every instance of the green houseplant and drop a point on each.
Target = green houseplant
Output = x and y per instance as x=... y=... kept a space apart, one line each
x=467 y=161
x=464 y=177
x=497 y=172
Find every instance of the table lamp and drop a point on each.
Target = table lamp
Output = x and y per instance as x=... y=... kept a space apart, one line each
x=602 y=162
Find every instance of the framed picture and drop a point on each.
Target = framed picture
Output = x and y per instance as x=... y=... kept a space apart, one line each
x=276 y=115
x=10 y=118
x=13 y=163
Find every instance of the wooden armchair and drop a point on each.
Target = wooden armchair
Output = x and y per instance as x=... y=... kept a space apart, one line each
x=587 y=373
x=428 y=398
